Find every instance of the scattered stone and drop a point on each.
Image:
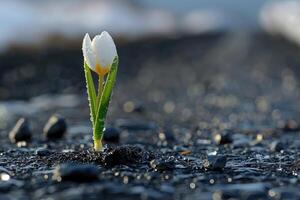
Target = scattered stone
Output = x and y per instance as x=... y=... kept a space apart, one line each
x=223 y=138
x=182 y=150
x=125 y=155
x=4 y=177
x=215 y=162
x=162 y=165
x=112 y=134
x=166 y=135
x=185 y=153
x=42 y=152
x=284 y=192
x=291 y=126
x=277 y=146
x=55 y=128
x=21 y=132
x=76 y=172
x=135 y=125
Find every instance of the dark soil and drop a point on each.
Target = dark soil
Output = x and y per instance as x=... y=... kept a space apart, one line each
x=205 y=117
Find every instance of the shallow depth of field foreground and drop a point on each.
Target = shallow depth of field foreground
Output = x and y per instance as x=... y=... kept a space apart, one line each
x=201 y=109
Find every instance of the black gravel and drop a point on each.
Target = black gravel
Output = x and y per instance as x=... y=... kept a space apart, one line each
x=214 y=116
x=76 y=172
x=55 y=128
x=21 y=132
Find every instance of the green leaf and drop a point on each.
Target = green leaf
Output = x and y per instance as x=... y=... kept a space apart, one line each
x=105 y=99
x=91 y=92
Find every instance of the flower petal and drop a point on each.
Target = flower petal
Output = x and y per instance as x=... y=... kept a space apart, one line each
x=105 y=49
x=88 y=53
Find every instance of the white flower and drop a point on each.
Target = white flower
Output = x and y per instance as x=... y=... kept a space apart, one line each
x=100 y=53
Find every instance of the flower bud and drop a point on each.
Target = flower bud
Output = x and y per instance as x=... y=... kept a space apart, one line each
x=99 y=53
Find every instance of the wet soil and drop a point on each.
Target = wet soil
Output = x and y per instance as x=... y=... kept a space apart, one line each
x=205 y=117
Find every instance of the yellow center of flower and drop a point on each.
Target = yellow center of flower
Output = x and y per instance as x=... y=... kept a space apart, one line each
x=101 y=71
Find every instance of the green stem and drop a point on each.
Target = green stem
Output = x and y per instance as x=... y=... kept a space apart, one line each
x=97 y=145
x=103 y=104
x=96 y=134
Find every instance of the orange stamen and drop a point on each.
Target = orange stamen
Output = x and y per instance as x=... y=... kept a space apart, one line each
x=101 y=71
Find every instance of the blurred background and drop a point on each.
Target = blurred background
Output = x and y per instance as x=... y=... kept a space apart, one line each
x=33 y=21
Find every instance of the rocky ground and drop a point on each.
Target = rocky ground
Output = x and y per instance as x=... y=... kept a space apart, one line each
x=204 y=117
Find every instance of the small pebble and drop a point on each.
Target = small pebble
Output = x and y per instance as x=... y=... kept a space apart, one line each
x=21 y=131
x=223 y=138
x=290 y=126
x=215 y=162
x=182 y=150
x=76 y=172
x=166 y=135
x=42 y=152
x=55 y=128
x=277 y=146
x=162 y=165
x=112 y=134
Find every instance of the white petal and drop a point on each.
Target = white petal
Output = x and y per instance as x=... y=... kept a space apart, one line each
x=105 y=49
x=88 y=53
